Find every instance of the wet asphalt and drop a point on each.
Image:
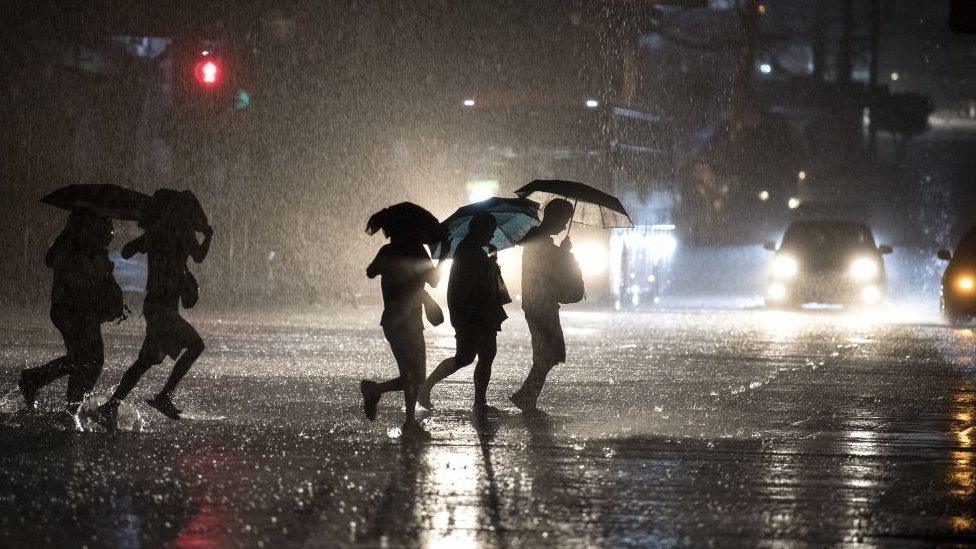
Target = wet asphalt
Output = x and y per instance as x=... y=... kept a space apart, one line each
x=665 y=428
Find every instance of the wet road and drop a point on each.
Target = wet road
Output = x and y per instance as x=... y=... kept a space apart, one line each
x=666 y=428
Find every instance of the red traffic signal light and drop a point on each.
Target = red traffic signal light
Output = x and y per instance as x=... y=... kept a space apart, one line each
x=207 y=71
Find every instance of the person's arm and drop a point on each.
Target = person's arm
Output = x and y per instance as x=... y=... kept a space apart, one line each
x=431 y=274
x=378 y=265
x=54 y=252
x=133 y=247
x=199 y=251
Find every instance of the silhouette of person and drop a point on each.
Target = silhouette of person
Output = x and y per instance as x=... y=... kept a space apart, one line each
x=404 y=266
x=475 y=299
x=170 y=239
x=83 y=296
x=542 y=272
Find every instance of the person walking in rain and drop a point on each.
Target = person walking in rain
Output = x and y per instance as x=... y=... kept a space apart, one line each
x=170 y=239
x=84 y=295
x=475 y=299
x=545 y=270
x=404 y=267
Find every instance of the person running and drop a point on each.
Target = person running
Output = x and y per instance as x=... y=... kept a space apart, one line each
x=170 y=238
x=404 y=266
x=475 y=300
x=84 y=295
x=544 y=272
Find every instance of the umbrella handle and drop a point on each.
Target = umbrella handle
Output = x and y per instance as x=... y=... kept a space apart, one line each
x=570 y=229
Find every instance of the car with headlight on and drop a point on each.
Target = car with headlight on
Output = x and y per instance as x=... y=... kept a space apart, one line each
x=958 y=290
x=834 y=262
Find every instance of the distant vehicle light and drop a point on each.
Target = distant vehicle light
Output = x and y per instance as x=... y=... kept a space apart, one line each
x=801 y=175
x=895 y=76
x=871 y=294
x=207 y=72
x=777 y=291
x=764 y=196
x=593 y=257
x=592 y=103
x=468 y=102
x=482 y=189
x=793 y=203
x=765 y=68
x=965 y=284
x=864 y=268
x=785 y=267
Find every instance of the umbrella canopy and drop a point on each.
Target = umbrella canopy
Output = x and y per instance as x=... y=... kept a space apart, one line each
x=593 y=207
x=515 y=216
x=406 y=216
x=174 y=209
x=105 y=199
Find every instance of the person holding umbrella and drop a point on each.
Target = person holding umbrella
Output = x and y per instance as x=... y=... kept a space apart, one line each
x=475 y=300
x=171 y=223
x=84 y=295
x=404 y=267
x=545 y=269
x=550 y=273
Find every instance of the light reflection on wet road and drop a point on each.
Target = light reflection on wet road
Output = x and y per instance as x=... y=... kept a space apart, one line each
x=680 y=427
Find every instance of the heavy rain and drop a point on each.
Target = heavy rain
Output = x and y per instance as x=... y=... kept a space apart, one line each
x=569 y=273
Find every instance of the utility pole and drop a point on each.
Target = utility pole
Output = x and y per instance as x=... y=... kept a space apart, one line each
x=873 y=74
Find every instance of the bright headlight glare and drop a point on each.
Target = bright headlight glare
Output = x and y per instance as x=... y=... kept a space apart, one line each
x=965 y=284
x=864 y=268
x=785 y=266
x=592 y=257
x=777 y=291
x=871 y=294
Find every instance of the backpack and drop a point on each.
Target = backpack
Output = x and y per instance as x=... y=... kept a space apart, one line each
x=569 y=283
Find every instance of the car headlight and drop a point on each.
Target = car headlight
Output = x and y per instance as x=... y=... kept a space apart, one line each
x=777 y=291
x=965 y=284
x=864 y=268
x=785 y=266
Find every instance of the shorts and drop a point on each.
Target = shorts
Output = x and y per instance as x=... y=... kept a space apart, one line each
x=475 y=343
x=167 y=334
x=548 y=343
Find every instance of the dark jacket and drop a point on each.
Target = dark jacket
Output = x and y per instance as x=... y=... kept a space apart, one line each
x=474 y=296
x=83 y=277
x=543 y=265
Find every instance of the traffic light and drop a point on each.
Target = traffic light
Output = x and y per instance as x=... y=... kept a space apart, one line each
x=208 y=71
x=204 y=78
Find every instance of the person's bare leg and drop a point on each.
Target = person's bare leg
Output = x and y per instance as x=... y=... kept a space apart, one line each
x=527 y=396
x=32 y=379
x=447 y=367
x=482 y=370
x=182 y=366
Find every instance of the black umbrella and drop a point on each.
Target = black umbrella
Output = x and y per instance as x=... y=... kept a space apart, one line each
x=593 y=207
x=105 y=199
x=406 y=216
x=515 y=216
x=172 y=208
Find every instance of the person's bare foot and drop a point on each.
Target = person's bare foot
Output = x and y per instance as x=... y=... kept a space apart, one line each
x=523 y=402
x=413 y=430
x=29 y=391
x=423 y=396
x=107 y=415
x=165 y=405
x=371 y=398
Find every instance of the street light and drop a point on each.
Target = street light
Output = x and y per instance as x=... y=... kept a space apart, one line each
x=592 y=103
x=468 y=102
